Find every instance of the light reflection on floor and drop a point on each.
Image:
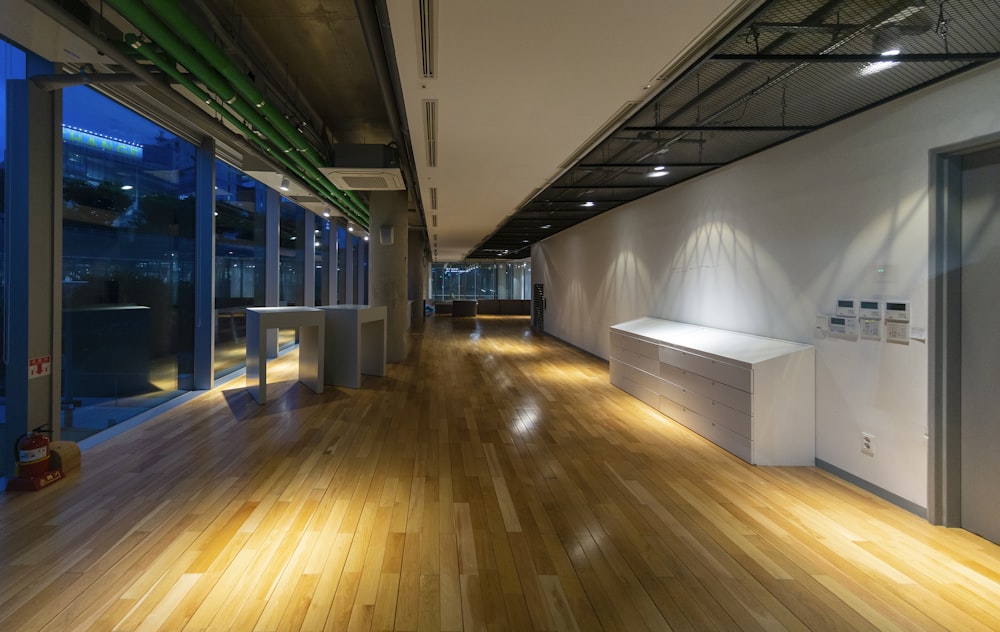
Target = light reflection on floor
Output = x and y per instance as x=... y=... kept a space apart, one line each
x=85 y=416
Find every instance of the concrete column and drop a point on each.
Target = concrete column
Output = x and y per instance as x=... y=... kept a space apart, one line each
x=205 y=321
x=309 y=259
x=272 y=261
x=33 y=288
x=387 y=257
x=416 y=277
x=350 y=277
x=328 y=284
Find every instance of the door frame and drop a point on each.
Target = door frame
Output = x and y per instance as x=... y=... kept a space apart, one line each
x=944 y=392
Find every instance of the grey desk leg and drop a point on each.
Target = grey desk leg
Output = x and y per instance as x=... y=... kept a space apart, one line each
x=256 y=374
x=311 y=357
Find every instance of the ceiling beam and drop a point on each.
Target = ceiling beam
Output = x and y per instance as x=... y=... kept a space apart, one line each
x=722 y=128
x=861 y=58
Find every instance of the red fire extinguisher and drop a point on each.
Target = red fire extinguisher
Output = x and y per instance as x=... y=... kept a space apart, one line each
x=32 y=453
x=37 y=465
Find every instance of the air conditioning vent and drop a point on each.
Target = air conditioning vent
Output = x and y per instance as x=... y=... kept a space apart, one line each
x=365 y=168
x=365 y=179
x=431 y=131
x=434 y=198
x=428 y=38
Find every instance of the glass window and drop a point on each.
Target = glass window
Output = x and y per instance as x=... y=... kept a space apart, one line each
x=12 y=65
x=322 y=247
x=240 y=205
x=292 y=241
x=128 y=259
x=475 y=281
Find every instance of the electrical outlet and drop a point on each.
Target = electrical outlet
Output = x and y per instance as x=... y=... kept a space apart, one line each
x=867 y=444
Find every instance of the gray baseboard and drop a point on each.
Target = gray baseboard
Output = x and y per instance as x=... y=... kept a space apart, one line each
x=899 y=501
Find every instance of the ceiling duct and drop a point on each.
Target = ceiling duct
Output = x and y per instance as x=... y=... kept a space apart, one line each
x=365 y=168
x=431 y=130
x=428 y=38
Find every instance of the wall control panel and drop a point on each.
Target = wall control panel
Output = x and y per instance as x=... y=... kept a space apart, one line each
x=847 y=307
x=869 y=308
x=871 y=328
x=897 y=322
x=897 y=332
x=898 y=311
x=844 y=326
x=869 y=319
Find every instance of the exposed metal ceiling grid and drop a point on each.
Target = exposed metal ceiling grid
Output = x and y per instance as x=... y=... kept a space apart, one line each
x=793 y=67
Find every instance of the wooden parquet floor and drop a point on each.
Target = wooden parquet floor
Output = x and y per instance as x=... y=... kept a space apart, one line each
x=494 y=480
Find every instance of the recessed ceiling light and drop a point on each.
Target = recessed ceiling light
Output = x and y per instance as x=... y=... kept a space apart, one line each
x=366 y=237
x=350 y=229
x=524 y=241
x=126 y=187
x=547 y=226
x=588 y=204
x=659 y=172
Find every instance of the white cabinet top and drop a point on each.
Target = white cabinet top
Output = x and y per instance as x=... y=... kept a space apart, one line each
x=725 y=345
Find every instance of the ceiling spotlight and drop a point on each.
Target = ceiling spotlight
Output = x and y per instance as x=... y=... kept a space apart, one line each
x=126 y=187
x=284 y=183
x=366 y=237
x=879 y=66
x=326 y=213
x=547 y=226
x=350 y=229
x=588 y=204
x=658 y=172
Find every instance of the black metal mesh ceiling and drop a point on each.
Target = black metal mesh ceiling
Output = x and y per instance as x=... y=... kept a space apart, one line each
x=793 y=67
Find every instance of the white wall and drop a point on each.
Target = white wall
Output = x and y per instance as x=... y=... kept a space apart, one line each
x=765 y=245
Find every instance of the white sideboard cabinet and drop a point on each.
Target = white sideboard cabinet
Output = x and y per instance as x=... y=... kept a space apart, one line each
x=753 y=396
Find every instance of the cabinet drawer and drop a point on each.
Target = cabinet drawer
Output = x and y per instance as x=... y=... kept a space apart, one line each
x=716 y=391
x=735 y=376
x=622 y=376
x=636 y=345
x=649 y=380
x=617 y=341
x=631 y=358
x=715 y=412
x=719 y=435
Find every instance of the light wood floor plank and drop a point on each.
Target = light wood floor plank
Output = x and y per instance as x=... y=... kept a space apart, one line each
x=493 y=480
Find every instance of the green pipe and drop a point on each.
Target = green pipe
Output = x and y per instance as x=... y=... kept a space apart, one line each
x=141 y=17
x=170 y=69
x=178 y=20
